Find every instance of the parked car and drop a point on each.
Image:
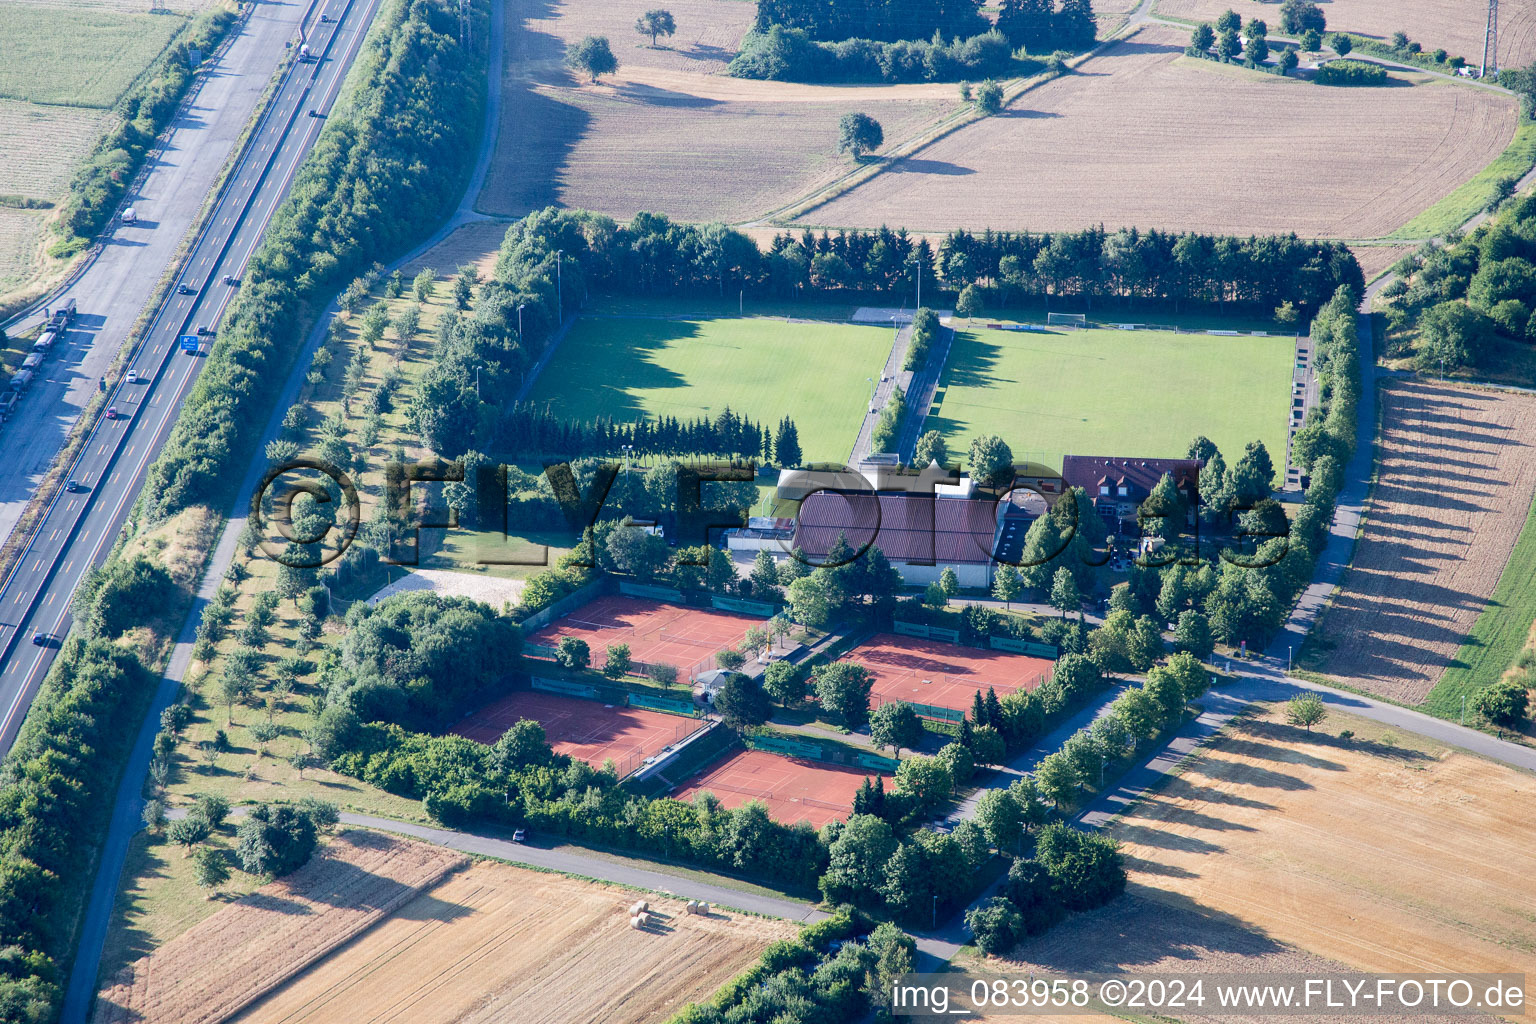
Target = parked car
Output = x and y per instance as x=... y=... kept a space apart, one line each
x=520 y=836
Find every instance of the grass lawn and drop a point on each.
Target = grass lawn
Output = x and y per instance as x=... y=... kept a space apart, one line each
x=1498 y=634
x=764 y=369
x=1461 y=205
x=1134 y=394
x=77 y=57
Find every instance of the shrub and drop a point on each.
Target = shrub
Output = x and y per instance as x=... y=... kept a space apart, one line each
x=1351 y=72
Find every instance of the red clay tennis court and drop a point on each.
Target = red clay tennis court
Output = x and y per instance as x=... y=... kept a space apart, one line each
x=585 y=729
x=792 y=789
x=942 y=674
x=655 y=631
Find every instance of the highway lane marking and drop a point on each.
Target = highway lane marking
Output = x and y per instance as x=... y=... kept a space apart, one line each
x=164 y=424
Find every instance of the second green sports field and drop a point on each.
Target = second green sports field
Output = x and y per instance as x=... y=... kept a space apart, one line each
x=813 y=372
x=1114 y=393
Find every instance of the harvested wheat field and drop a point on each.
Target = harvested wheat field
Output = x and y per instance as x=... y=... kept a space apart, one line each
x=1375 y=259
x=1456 y=475
x=1143 y=136
x=259 y=942
x=499 y=943
x=475 y=243
x=1145 y=932
x=1385 y=853
x=708 y=31
x=1453 y=25
x=669 y=133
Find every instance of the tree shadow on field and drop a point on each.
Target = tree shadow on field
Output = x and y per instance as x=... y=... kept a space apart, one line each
x=427 y=907
x=1141 y=865
x=652 y=96
x=539 y=131
x=1252 y=775
x=1178 y=787
x=603 y=364
x=1155 y=808
x=1145 y=926
x=1026 y=114
x=1146 y=835
x=915 y=166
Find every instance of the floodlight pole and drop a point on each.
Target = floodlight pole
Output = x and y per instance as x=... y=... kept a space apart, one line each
x=1463 y=709
x=1288 y=649
x=559 y=287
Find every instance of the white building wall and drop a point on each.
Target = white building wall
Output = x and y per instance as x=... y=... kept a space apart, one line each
x=971 y=574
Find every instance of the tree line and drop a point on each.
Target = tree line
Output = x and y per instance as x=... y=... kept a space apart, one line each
x=388 y=164
x=143 y=113
x=1458 y=303
x=885 y=20
x=792 y=55
x=530 y=431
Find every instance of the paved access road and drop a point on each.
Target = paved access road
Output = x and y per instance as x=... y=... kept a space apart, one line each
x=119 y=281
x=80 y=527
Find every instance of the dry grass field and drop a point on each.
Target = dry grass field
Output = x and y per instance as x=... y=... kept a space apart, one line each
x=1456 y=475
x=499 y=943
x=21 y=236
x=1375 y=259
x=1143 y=136
x=1386 y=853
x=668 y=133
x=1455 y=25
x=256 y=944
x=38 y=171
x=123 y=6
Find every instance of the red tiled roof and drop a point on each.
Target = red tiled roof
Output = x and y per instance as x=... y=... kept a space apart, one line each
x=917 y=528
x=1092 y=471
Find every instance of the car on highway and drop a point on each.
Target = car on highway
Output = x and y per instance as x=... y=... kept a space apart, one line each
x=204 y=330
x=133 y=377
x=112 y=412
x=74 y=487
x=315 y=113
x=231 y=280
x=40 y=639
x=186 y=289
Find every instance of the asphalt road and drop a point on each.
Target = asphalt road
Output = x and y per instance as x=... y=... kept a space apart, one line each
x=80 y=528
x=118 y=282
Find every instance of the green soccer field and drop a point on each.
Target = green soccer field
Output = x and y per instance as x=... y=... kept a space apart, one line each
x=764 y=369
x=1114 y=393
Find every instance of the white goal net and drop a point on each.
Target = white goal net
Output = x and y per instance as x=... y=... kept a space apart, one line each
x=1067 y=319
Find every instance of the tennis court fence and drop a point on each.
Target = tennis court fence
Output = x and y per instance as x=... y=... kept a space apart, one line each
x=767 y=795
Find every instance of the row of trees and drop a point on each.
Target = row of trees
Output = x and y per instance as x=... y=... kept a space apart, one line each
x=143 y=113
x=387 y=165
x=1134 y=265
x=833 y=971
x=792 y=55
x=1070 y=871
x=886 y=20
x=530 y=431
x=1458 y=301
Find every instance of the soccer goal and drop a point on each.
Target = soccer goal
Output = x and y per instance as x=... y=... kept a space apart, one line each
x=1067 y=319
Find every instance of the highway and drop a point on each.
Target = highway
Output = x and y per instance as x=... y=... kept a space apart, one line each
x=117 y=282
x=80 y=527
